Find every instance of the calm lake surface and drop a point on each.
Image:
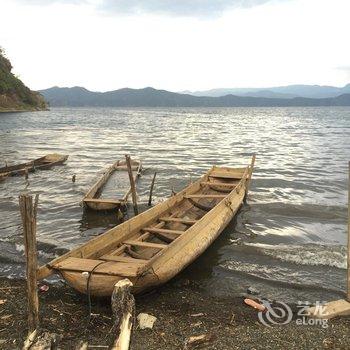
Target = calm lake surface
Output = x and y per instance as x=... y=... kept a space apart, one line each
x=288 y=241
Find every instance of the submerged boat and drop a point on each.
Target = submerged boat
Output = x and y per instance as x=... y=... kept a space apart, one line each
x=45 y=162
x=154 y=246
x=3 y=176
x=93 y=198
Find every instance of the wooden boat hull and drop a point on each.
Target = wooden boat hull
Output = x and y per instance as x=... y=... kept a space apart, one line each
x=92 y=199
x=42 y=163
x=188 y=229
x=102 y=286
x=103 y=205
x=166 y=268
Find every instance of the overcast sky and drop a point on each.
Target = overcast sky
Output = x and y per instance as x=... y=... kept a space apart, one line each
x=177 y=45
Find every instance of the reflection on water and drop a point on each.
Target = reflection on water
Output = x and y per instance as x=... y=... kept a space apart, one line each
x=289 y=237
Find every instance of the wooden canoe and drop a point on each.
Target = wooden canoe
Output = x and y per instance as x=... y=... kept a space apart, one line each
x=154 y=246
x=45 y=162
x=93 y=198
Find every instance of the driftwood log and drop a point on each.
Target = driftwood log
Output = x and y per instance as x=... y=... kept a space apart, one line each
x=123 y=307
x=82 y=345
x=45 y=341
x=30 y=340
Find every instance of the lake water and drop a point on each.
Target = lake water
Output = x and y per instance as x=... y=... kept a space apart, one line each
x=288 y=241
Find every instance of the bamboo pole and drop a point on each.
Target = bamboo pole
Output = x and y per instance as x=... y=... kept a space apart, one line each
x=28 y=213
x=348 y=265
x=132 y=184
x=151 y=189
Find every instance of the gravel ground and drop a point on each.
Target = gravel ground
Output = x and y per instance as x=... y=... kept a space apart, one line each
x=182 y=311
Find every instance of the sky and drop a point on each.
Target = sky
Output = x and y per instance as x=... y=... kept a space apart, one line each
x=176 y=45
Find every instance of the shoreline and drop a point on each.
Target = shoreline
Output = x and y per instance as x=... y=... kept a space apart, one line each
x=182 y=311
x=22 y=110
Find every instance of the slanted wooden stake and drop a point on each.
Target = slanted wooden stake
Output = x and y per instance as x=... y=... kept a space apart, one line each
x=132 y=184
x=251 y=168
x=151 y=189
x=247 y=185
x=123 y=306
x=348 y=280
x=28 y=213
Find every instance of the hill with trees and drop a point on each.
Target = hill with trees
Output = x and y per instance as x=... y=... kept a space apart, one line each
x=14 y=95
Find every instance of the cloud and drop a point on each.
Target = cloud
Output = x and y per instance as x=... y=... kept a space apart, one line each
x=176 y=8
x=345 y=70
x=194 y=8
x=44 y=2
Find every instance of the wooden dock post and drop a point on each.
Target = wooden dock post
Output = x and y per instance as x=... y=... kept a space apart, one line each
x=348 y=260
x=151 y=189
x=28 y=213
x=123 y=307
x=132 y=184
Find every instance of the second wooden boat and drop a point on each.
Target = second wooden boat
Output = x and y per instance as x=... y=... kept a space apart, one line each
x=94 y=199
x=45 y=162
x=154 y=246
x=3 y=176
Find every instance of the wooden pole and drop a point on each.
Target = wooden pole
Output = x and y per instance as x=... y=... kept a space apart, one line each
x=250 y=174
x=348 y=265
x=151 y=189
x=28 y=213
x=132 y=184
x=123 y=306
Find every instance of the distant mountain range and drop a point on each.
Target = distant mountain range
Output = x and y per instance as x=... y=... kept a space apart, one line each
x=290 y=91
x=149 y=97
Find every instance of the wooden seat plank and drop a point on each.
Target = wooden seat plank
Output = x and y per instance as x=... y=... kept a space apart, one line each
x=123 y=259
x=226 y=175
x=216 y=183
x=199 y=196
x=162 y=230
x=145 y=244
x=98 y=267
x=179 y=220
x=101 y=200
x=166 y=237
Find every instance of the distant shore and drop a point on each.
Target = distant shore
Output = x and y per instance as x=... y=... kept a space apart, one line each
x=182 y=311
x=150 y=97
x=17 y=110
